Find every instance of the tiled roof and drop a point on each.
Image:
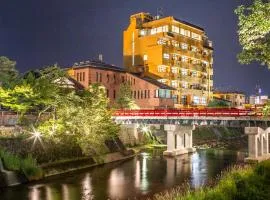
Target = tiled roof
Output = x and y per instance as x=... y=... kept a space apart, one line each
x=98 y=65
x=154 y=82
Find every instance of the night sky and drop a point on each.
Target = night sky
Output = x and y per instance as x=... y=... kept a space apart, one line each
x=37 y=33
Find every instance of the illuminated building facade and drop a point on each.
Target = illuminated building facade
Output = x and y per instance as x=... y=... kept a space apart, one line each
x=147 y=92
x=172 y=51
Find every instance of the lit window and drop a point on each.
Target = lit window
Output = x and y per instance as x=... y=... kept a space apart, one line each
x=166 y=56
x=196 y=100
x=194 y=49
x=165 y=28
x=184 y=59
x=184 y=45
x=162 y=68
x=159 y=29
x=174 y=83
x=143 y=32
x=175 y=70
x=184 y=72
x=185 y=85
x=153 y=31
x=175 y=43
x=185 y=32
x=175 y=29
x=194 y=74
x=161 y=41
x=203 y=100
x=174 y=56
x=162 y=81
x=145 y=57
x=195 y=36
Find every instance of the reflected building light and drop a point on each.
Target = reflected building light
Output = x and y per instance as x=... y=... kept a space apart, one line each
x=144 y=180
x=198 y=166
x=34 y=194
x=87 y=187
x=170 y=175
x=49 y=195
x=138 y=174
x=116 y=184
x=65 y=192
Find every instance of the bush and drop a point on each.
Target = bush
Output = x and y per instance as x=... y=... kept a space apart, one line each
x=27 y=166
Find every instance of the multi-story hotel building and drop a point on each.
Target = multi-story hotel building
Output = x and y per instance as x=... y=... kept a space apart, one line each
x=172 y=51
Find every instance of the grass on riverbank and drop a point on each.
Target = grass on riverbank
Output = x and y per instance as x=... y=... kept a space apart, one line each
x=27 y=166
x=240 y=183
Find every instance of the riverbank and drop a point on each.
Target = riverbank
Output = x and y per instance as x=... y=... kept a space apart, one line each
x=240 y=182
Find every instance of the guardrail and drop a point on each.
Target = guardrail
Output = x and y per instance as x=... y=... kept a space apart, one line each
x=188 y=113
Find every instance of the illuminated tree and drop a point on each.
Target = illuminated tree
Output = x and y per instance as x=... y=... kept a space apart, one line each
x=218 y=103
x=254 y=32
x=8 y=73
x=125 y=97
x=83 y=117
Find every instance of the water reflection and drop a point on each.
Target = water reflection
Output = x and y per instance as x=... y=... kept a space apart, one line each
x=145 y=175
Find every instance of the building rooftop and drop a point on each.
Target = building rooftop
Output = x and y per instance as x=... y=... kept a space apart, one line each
x=229 y=92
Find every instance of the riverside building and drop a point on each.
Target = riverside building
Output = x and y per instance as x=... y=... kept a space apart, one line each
x=173 y=52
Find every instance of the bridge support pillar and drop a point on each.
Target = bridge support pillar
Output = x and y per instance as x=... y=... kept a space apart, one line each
x=179 y=140
x=258 y=144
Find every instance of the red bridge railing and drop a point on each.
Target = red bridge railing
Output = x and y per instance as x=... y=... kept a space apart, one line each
x=188 y=113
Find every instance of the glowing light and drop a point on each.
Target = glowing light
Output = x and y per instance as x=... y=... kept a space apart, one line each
x=145 y=129
x=36 y=136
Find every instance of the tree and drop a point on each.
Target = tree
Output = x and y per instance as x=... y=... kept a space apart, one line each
x=85 y=118
x=125 y=97
x=254 y=32
x=218 y=103
x=8 y=73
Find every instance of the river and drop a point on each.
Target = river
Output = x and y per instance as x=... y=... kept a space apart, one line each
x=140 y=177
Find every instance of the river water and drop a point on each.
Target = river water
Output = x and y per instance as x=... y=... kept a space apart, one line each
x=140 y=177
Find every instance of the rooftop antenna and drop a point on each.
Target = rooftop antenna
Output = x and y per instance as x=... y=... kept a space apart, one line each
x=100 y=57
x=160 y=13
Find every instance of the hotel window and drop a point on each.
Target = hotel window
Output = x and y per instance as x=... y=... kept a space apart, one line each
x=83 y=76
x=184 y=72
x=134 y=94
x=194 y=74
x=165 y=28
x=148 y=94
x=145 y=57
x=174 y=83
x=161 y=41
x=203 y=100
x=143 y=32
x=185 y=32
x=141 y=94
x=114 y=94
x=123 y=79
x=114 y=78
x=184 y=46
x=166 y=56
x=185 y=85
x=145 y=94
x=194 y=49
x=196 y=100
x=162 y=81
x=195 y=36
x=184 y=59
x=175 y=43
x=175 y=70
x=107 y=93
x=174 y=56
x=175 y=29
x=159 y=29
x=108 y=78
x=78 y=75
x=153 y=31
x=162 y=68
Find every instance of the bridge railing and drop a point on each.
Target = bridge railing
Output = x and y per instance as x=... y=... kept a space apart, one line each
x=188 y=113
